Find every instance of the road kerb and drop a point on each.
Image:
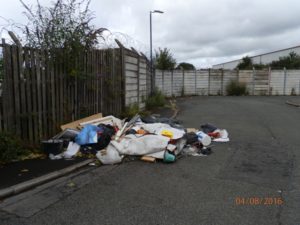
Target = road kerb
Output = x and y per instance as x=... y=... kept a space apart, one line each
x=18 y=188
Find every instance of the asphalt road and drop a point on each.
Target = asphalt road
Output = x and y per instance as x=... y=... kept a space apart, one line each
x=253 y=179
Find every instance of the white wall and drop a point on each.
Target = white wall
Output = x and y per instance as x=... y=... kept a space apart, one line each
x=214 y=82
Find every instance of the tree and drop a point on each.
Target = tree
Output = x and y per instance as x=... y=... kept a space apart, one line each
x=64 y=30
x=164 y=59
x=185 y=66
x=65 y=24
x=292 y=61
x=246 y=63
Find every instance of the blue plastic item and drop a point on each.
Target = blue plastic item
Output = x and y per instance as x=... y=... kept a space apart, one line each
x=87 y=135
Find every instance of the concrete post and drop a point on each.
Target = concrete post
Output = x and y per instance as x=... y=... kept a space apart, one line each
x=253 y=80
x=284 y=81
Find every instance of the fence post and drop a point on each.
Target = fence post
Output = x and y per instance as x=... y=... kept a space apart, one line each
x=183 y=87
x=163 y=82
x=253 y=80
x=269 y=81
x=222 y=82
x=138 y=81
x=208 y=91
x=172 y=80
x=4 y=88
x=195 y=82
x=284 y=81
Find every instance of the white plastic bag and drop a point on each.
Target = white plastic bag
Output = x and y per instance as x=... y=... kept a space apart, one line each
x=109 y=155
x=143 y=145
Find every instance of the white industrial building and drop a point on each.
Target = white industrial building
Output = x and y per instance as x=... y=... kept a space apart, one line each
x=260 y=59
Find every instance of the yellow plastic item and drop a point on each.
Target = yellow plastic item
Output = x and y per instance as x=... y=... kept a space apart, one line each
x=167 y=133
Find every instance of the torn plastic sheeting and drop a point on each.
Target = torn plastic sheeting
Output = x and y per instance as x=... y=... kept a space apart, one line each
x=157 y=155
x=223 y=136
x=140 y=145
x=160 y=128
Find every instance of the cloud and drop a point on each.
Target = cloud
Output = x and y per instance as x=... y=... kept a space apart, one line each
x=202 y=32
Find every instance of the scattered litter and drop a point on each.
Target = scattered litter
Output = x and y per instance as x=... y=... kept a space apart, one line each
x=109 y=155
x=148 y=159
x=168 y=157
x=203 y=138
x=55 y=157
x=217 y=135
x=208 y=128
x=71 y=184
x=149 y=139
x=76 y=124
x=24 y=170
x=73 y=149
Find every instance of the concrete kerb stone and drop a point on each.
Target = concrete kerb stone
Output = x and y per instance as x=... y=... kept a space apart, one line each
x=18 y=188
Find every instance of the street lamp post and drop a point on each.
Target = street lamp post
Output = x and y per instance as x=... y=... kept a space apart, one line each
x=151 y=58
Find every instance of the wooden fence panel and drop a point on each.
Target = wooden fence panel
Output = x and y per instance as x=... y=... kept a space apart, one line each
x=39 y=95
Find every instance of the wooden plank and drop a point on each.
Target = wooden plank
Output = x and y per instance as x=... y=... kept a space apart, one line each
x=75 y=124
x=2 y=85
x=39 y=93
x=43 y=96
x=61 y=95
x=50 y=130
x=23 y=109
x=113 y=100
x=148 y=159
x=28 y=88
x=6 y=95
x=52 y=94
x=97 y=79
x=34 y=94
x=16 y=81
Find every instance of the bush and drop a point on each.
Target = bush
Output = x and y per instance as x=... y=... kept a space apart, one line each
x=155 y=100
x=236 y=88
x=10 y=148
x=131 y=110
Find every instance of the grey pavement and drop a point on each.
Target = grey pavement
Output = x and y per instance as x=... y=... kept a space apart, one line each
x=260 y=162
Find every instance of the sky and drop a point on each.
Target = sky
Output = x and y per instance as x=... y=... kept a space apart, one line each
x=201 y=32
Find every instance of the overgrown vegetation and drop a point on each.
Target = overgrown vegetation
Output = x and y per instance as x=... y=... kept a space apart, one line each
x=10 y=148
x=292 y=61
x=64 y=30
x=185 y=66
x=247 y=64
x=131 y=110
x=157 y=99
x=164 y=60
x=236 y=88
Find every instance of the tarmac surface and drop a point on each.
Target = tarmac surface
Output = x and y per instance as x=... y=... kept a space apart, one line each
x=18 y=172
x=253 y=179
